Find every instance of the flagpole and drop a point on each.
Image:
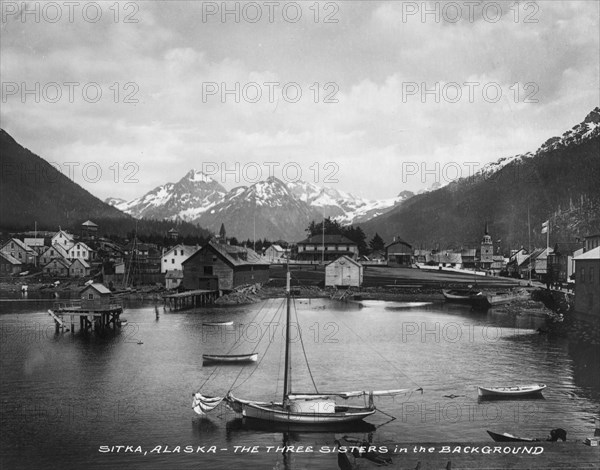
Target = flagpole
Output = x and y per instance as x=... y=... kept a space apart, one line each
x=529 y=232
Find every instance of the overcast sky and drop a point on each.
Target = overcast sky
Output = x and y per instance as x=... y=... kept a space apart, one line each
x=531 y=72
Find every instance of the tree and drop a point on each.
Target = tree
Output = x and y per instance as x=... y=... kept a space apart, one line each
x=377 y=243
x=332 y=227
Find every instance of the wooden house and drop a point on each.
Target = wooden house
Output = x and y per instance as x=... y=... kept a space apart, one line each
x=36 y=243
x=53 y=252
x=63 y=239
x=57 y=267
x=20 y=251
x=171 y=260
x=218 y=266
x=79 y=268
x=80 y=251
x=9 y=265
x=173 y=279
x=560 y=261
x=399 y=253
x=587 y=283
x=95 y=296
x=327 y=248
x=275 y=253
x=344 y=272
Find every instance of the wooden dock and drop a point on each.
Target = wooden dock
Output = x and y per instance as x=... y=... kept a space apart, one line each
x=190 y=299
x=92 y=316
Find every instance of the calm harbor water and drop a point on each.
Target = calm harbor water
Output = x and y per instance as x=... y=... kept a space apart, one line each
x=66 y=396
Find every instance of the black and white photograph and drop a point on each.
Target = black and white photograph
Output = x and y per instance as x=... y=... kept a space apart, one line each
x=292 y=235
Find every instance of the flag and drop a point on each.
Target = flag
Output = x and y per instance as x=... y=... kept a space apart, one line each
x=545 y=226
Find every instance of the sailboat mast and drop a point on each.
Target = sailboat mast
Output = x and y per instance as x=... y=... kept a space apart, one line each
x=287 y=377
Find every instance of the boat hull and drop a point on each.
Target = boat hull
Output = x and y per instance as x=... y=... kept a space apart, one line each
x=275 y=412
x=474 y=298
x=516 y=391
x=506 y=437
x=230 y=359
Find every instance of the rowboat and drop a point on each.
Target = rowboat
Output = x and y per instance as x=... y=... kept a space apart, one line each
x=514 y=391
x=506 y=437
x=297 y=409
x=232 y=358
x=466 y=296
x=217 y=323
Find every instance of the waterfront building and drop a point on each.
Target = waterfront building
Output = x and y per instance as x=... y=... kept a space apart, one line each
x=9 y=265
x=344 y=272
x=327 y=248
x=587 y=283
x=171 y=260
x=399 y=253
x=20 y=251
x=218 y=266
x=173 y=279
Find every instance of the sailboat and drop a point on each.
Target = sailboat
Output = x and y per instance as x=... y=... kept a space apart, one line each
x=297 y=408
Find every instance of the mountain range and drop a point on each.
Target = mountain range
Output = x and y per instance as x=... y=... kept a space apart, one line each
x=514 y=195
x=268 y=209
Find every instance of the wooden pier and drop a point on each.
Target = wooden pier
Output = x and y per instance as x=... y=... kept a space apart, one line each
x=92 y=316
x=190 y=299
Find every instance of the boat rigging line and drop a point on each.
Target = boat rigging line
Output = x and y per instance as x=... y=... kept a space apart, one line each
x=303 y=349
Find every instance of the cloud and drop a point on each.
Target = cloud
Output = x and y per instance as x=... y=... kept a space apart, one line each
x=365 y=63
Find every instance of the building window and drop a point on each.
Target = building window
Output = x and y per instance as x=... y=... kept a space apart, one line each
x=208 y=270
x=181 y=252
x=90 y=296
x=591 y=274
x=582 y=275
x=172 y=260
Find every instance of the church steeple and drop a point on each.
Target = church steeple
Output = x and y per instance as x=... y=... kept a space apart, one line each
x=222 y=234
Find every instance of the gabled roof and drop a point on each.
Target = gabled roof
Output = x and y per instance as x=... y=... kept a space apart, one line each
x=83 y=246
x=398 y=241
x=21 y=245
x=31 y=242
x=174 y=274
x=11 y=259
x=232 y=255
x=343 y=260
x=188 y=250
x=68 y=236
x=329 y=240
x=100 y=288
x=58 y=248
x=592 y=254
x=62 y=261
x=276 y=248
x=89 y=223
x=83 y=262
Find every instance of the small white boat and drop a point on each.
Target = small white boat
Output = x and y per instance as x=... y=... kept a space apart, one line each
x=231 y=358
x=514 y=391
x=217 y=323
